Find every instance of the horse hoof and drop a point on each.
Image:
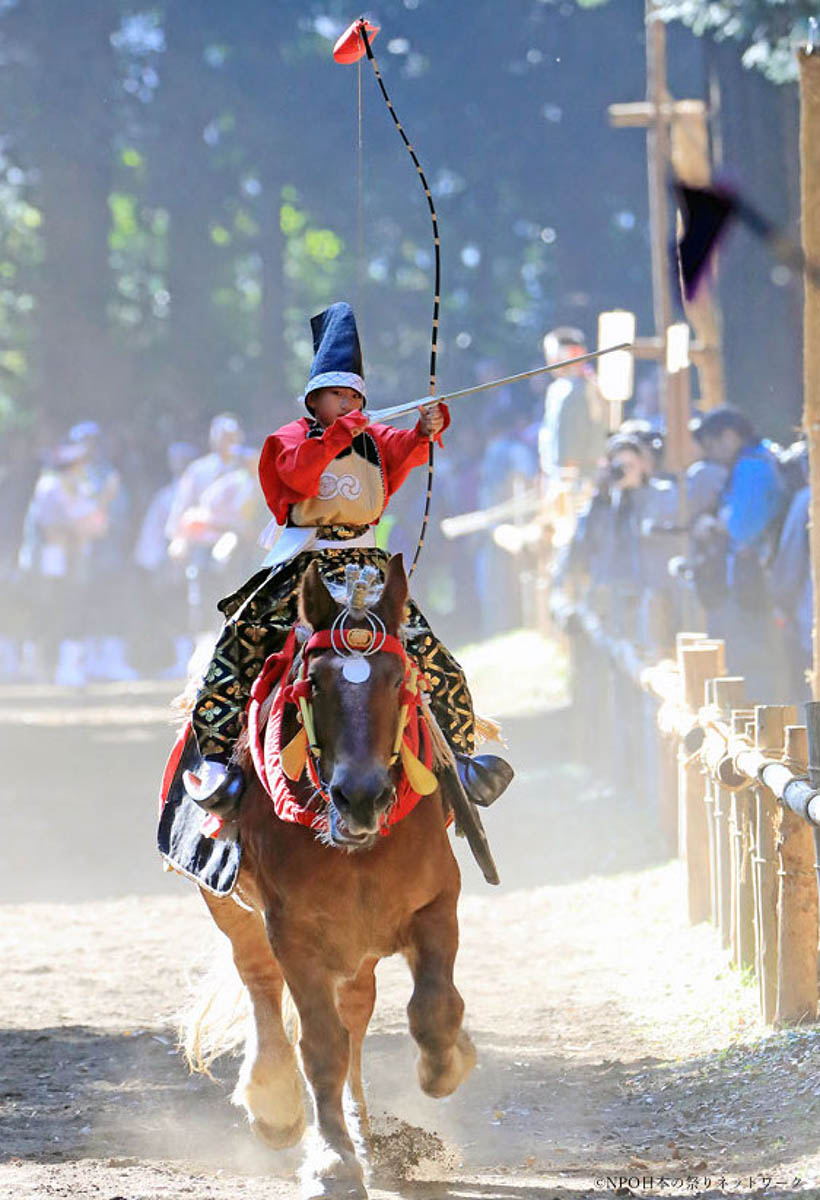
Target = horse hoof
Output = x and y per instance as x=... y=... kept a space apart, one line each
x=275 y=1136
x=329 y=1190
x=439 y=1078
x=332 y=1175
x=272 y=1100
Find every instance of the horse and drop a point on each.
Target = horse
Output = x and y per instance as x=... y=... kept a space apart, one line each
x=315 y=914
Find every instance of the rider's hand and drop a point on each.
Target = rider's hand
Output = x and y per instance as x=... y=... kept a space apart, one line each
x=355 y=420
x=431 y=421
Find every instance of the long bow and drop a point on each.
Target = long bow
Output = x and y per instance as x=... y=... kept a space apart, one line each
x=352 y=45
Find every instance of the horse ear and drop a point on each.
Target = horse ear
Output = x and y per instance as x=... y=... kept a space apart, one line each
x=395 y=594
x=317 y=607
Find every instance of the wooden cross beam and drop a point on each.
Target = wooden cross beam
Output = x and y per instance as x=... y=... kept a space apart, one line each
x=644 y=113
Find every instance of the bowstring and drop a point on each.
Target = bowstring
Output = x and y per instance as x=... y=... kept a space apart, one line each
x=437 y=286
x=359 y=190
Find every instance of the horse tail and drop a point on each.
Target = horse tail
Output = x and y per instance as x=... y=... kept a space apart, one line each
x=213 y=1020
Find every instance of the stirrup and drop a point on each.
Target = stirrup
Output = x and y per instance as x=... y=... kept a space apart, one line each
x=483 y=777
x=216 y=786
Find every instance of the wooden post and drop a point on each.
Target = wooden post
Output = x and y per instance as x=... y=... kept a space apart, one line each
x=692 y=164
x=744 y=916
x=658 y=163
x=797 y=914
x=737 y=806
x=668 y=793
x=729 y=694
x=698 y=663
x=813 y=735
x=686 y=638
x=709 y=794
x=809 y=65
x=744 y=935
x=720 y=646
x=769 y=737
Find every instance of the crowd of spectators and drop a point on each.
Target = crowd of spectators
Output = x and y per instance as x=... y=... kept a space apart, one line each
x=113 y=556
x=729 y=555
x=110 y=574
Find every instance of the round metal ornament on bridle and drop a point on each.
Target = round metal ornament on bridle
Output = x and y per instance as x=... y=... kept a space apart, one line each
x=356 y=668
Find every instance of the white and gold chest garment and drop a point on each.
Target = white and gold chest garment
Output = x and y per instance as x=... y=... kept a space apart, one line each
x=351 y=489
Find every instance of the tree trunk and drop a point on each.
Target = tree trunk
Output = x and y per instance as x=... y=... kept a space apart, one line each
x=810 y=219
x=189 y=190
x=271 y=400
x=71 y=139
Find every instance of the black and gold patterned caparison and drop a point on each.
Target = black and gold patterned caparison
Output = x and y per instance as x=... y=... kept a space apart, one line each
x=258 y=619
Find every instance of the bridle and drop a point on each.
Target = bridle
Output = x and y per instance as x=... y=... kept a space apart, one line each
x=291 y=771
x=356 y=645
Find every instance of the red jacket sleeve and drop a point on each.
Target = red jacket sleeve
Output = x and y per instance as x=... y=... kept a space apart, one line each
x=403 y=449
x=291 y=463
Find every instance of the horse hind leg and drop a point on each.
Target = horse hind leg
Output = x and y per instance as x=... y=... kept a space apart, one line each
x=356 y=1000
x=269 y=1086
x=435 y=1012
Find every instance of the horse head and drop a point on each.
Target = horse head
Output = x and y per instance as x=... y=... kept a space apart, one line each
x=356 y=702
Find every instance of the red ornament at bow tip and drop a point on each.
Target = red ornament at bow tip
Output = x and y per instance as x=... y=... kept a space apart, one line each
x=350 y=47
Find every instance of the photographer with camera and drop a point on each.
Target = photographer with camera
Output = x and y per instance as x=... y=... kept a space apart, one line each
x=737 y=540
x=623 y=540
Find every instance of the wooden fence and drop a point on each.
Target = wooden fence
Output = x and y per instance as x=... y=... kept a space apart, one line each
x=737 y=793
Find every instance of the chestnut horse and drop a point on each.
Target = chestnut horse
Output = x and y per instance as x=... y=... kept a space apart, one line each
x=321 y=913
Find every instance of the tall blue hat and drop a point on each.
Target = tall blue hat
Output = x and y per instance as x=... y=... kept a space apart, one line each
x=337 y=355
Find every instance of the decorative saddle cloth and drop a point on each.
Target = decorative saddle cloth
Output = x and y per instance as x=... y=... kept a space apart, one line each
x=185 y=836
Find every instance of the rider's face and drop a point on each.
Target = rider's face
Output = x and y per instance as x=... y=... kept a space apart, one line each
x=332 y=402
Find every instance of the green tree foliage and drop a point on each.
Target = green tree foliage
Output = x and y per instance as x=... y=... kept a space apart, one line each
x=21 y=251
x=178 y=192
x=768 y=29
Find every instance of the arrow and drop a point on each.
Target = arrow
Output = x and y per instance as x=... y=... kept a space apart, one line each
x=399 y=410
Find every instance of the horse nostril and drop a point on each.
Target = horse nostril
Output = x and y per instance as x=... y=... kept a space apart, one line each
x=339 y=798
x=360 y=796
x=386 y=798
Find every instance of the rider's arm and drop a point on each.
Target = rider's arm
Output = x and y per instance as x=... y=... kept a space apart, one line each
x=403 y=449
x=291 y=458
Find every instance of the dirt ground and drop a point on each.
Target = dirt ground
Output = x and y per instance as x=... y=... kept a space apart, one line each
x=618 y=1052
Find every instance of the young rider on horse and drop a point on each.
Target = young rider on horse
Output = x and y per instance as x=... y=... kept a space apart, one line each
x=327 y=478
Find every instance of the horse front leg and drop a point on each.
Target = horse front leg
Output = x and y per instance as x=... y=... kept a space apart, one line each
x=436 y=1009
x=332 y=1168
x=356 y=1000
x=269 y=1087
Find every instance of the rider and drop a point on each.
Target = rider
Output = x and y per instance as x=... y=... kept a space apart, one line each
x=327 y=478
